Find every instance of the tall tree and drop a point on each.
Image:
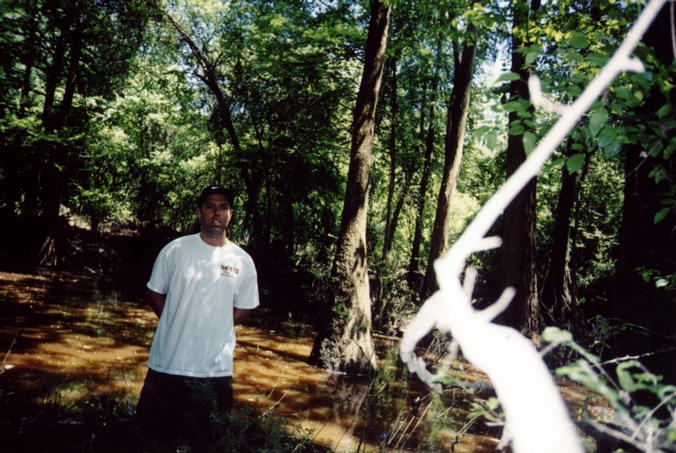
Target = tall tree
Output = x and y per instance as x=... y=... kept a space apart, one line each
x=558 y=290
x=456 y=120
x=519 y=248
x=427 y=140
x=645 y=277
x=345 y=342
x=390 y=216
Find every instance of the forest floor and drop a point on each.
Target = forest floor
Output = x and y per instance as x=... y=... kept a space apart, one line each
x=74 y=359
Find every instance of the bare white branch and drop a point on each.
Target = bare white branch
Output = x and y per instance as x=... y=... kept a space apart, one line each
x=540 y=100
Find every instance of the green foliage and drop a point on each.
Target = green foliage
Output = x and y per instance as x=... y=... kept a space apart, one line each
x=104 y=423
x=488 y=409
x=634 y=420
x=248 y=431
x=61 y=60
x=660 y=280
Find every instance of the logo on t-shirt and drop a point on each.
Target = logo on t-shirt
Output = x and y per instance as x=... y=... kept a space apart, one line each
x=229 y=271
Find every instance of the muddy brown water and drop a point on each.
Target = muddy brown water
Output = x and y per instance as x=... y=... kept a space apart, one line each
x=63 y=340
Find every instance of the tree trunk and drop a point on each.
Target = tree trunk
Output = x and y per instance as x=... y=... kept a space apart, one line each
x=345 y=342
x=72 y=73
x=52 y=79
x=28 y=58
x=458 y=109
x=518 y=248
x=392 y=148
x=558 y=291
x=414 y=265
x=54 y=178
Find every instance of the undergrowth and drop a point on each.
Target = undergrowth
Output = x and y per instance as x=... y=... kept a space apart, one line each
x=105 y=424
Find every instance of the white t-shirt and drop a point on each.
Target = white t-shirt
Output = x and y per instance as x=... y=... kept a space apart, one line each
x=195 y=335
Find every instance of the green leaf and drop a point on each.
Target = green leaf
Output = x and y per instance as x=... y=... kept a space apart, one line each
x=598 y=59
x=661 y=282
x=610 y=140
x=626 y=381
x=661 y=215
x=575 y=162
x=624 y=93
x=529 y=141
x=514 y=106
x=608 y=136
x=664 y=111
x=597 y=120
x=556 y=335
x=492 y=403
x=531 y=56
x=671 y=435
x=517 y=129
x=491 y=139
x=578 y=40
x=625 y=378
x=508 y=77
x=558 y=162
x=658 y=173
x=645 y=275
x=580 y=371
x=656 y=149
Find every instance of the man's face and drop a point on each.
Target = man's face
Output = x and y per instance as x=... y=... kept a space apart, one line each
x=214 y=214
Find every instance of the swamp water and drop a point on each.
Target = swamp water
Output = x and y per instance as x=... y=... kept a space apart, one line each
x=65 y=344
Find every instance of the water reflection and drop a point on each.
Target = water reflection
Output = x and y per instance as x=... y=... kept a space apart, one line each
x=346 y=413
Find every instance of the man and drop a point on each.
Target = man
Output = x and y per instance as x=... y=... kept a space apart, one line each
x=200 y=287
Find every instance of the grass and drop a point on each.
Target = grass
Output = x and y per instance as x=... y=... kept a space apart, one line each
x=104 y=423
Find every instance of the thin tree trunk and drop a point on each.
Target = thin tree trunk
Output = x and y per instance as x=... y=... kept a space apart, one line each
x=345 y=342
x=518 y=248
x=458 y=110
x=558 y=292
x=398 y=206
x=414 y=265
x=53 y=75
x=54 y=179
x=29 y=58
x=392 y=148
x=72 y=72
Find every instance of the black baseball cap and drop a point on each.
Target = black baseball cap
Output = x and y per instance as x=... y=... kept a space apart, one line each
x=215 y=189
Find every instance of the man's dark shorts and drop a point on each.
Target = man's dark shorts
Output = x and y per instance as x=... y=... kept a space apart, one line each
x=173 y=407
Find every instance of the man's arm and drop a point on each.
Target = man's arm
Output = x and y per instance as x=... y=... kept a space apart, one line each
x=156 y=301
x=239 y=314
